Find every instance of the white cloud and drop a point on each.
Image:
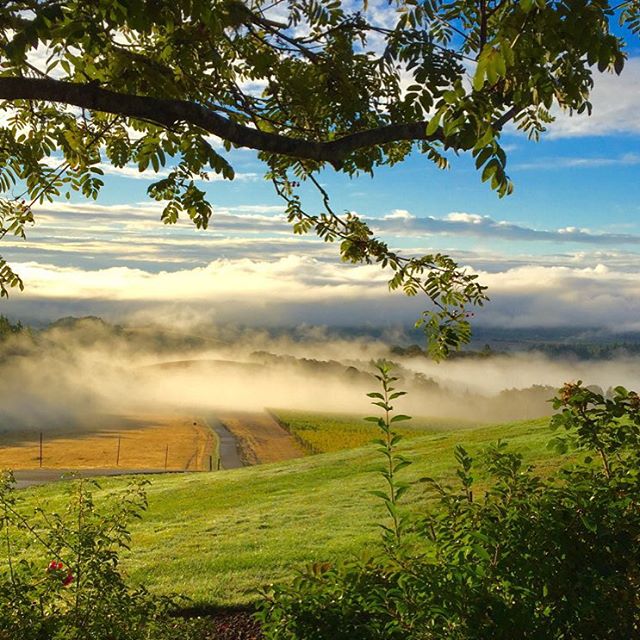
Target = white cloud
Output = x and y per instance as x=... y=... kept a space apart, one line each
x=132 y=172
x=298 y=288
x=625 y=160
x=250 y=266
x=467 y=218
x=616 y=109
x=106 y=235
x=399 y=214
x=478 y=226
x=563 y=296
x=291 y=278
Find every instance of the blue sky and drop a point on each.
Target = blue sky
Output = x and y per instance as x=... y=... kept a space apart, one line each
x=564 y=249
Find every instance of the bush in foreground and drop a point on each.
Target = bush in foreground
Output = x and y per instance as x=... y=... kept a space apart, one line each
x=60 y=579
x=535 y=557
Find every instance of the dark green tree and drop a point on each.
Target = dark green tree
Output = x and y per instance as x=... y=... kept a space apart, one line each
x=8 y=328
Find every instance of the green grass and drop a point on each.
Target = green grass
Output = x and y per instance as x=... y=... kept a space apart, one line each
x=329 y=432
x=217 y=537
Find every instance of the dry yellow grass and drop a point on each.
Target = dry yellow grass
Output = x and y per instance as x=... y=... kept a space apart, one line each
x=145 y=440
x=260 y=437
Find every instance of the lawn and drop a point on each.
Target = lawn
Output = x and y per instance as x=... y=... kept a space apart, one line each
x=217 y=537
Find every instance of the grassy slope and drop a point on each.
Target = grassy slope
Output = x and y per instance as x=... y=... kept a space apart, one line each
x=328 y=432
x=216 y=537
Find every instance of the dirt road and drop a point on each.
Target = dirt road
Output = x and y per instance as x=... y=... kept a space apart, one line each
x=260 y=438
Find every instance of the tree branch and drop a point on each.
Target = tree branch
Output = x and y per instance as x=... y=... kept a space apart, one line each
x=166 y=113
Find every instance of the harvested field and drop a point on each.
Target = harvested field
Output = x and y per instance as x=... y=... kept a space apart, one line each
x=144 y=442
x=260 y=438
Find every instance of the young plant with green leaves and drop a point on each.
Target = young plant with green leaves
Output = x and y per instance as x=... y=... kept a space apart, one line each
x=387 y=446
x=343 y=600
x=60 y=575
x=345 y=87
x=506 y=554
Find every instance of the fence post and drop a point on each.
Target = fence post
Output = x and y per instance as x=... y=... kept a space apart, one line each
x=118 y=453
x=40 y=450
x=166 y=457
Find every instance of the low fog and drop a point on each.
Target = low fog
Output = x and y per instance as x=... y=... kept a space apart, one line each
x=76 y=370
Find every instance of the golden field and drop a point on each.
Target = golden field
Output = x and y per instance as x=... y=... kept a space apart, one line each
x=145 y=441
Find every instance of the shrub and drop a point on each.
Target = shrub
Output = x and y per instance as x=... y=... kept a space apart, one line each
x=61 y=578
x=534 y=557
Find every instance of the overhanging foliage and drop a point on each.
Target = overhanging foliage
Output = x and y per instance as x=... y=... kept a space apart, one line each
x=306 y=83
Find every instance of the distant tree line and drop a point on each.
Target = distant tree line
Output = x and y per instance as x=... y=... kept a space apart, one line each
x=589 y=350
x=553 y=350
x=7 y=328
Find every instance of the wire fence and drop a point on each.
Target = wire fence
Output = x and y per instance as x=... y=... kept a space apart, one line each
x=126 y=453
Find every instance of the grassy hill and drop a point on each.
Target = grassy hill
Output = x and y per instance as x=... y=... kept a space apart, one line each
x=217 y=537
x=328 y=432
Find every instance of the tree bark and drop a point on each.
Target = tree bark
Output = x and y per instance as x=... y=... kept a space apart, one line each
x=166 y=112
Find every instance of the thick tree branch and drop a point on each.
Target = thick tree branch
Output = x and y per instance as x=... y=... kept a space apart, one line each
x=167 y=112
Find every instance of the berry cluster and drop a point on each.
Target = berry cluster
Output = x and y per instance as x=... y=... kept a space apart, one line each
x=57 y=569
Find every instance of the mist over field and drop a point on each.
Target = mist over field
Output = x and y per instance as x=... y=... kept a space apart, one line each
x=75 y=370
x=490 y=376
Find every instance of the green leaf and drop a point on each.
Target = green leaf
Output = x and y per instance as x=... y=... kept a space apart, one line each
x=433 y=124
x=399 y=418
x=479 y=75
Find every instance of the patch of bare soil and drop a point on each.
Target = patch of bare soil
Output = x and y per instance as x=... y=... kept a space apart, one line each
x=232 y=625
x=212 y=623
x=261 y=439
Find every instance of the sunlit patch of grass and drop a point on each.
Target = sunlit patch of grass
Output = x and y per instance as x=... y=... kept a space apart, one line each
x=217 y=537
x=327 y=432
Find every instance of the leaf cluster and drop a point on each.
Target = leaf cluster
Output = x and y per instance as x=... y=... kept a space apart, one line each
x=308 y=83
x=450 y=289
x=60 y=575
x=506 y=553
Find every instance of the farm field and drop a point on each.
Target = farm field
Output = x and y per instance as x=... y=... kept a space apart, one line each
x=144 y=442
x=260 y=438
x=218 y=537
x=327 y=432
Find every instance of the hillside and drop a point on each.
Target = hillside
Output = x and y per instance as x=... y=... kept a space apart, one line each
x=217 y=537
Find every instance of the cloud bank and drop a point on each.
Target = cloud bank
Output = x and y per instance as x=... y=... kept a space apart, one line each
x=93 y=236
x=117 y=261
x=295 y=289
